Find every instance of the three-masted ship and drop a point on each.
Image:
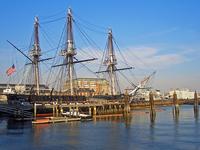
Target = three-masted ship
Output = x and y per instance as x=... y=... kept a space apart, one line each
x=69 y=60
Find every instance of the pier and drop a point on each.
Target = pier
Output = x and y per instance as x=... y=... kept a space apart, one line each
x=90 y=107
x=60 y=110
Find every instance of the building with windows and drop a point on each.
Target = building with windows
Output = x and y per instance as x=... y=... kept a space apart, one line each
x=90 y=86
x=182 y=94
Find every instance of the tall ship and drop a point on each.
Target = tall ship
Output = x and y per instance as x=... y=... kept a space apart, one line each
x=68 y=89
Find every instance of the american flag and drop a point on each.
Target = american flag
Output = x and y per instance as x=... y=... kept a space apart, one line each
x=11 y=70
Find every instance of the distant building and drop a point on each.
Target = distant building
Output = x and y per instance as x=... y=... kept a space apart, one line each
x=96 y=85
x=23 y=88
x=90 y=86
x=182 y=94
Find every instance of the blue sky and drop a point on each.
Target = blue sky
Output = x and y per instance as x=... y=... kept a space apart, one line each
x=163 y=34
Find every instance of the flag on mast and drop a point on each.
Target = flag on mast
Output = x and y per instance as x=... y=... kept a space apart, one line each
x=11 y=70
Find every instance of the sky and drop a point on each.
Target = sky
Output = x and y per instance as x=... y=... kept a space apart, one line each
x=152 y=35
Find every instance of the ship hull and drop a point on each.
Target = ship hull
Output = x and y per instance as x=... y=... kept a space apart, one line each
x=43 y=98
x=25 y=101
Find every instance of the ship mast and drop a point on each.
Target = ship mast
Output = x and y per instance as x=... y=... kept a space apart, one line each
x=36 y=53
x=69 y=51
x=112 y=62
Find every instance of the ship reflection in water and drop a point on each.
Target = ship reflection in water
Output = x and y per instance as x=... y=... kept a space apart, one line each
x=133 y=132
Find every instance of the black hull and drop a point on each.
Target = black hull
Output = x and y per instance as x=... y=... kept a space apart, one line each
x=44 y=98
x=25 y=102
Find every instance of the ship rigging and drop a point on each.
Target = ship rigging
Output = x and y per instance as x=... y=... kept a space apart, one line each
x=67 y=73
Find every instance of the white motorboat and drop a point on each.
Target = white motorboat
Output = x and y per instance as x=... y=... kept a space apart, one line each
x=8 y=91
x=76 y=114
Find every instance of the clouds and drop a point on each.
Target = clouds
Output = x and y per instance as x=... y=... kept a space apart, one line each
x=141 y=57
x=144 y=57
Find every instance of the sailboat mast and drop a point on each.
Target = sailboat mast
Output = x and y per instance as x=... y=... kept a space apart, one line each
x=36 y=52
x=112 y=62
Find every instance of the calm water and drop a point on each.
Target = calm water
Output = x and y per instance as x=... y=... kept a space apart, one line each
x=134 y=133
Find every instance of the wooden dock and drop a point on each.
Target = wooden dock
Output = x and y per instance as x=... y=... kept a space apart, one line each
x=54 y=120
x=94 y=108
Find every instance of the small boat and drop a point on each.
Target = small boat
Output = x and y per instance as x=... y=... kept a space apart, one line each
x=8 y=91
x=77 y=114
x=85 y=117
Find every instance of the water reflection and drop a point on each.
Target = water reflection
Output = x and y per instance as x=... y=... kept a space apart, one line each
x=152 y=130
x=196 y=113
x=135 y=131
x=175 y=112
x=152 y=116
x=176 y=124
x=128 y=120
x=38 y=131
x=17 y=127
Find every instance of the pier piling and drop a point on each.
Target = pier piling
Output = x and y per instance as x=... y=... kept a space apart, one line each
x=53 y=109
x=126 y=104
x=90 y=111
x=196 y=106
x=56 y=109
x=35 y=110
x=176 y=106
x=94 y=111
x=152 y=107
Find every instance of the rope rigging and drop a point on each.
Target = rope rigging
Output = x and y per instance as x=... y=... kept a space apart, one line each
x=91 y=24
x=88 y=39
x=58 y=77
x=54 y=20
x=56 y=53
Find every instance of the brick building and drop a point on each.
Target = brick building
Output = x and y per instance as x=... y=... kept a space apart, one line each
x=90 y=86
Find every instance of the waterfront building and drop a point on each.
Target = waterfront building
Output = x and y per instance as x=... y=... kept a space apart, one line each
x=22 y=88
x=90 y=86
x=182 y=94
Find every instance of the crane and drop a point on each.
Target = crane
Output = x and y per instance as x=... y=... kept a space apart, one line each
x=141 y=85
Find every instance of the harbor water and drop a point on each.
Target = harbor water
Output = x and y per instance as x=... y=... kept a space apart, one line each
x=136 y=132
